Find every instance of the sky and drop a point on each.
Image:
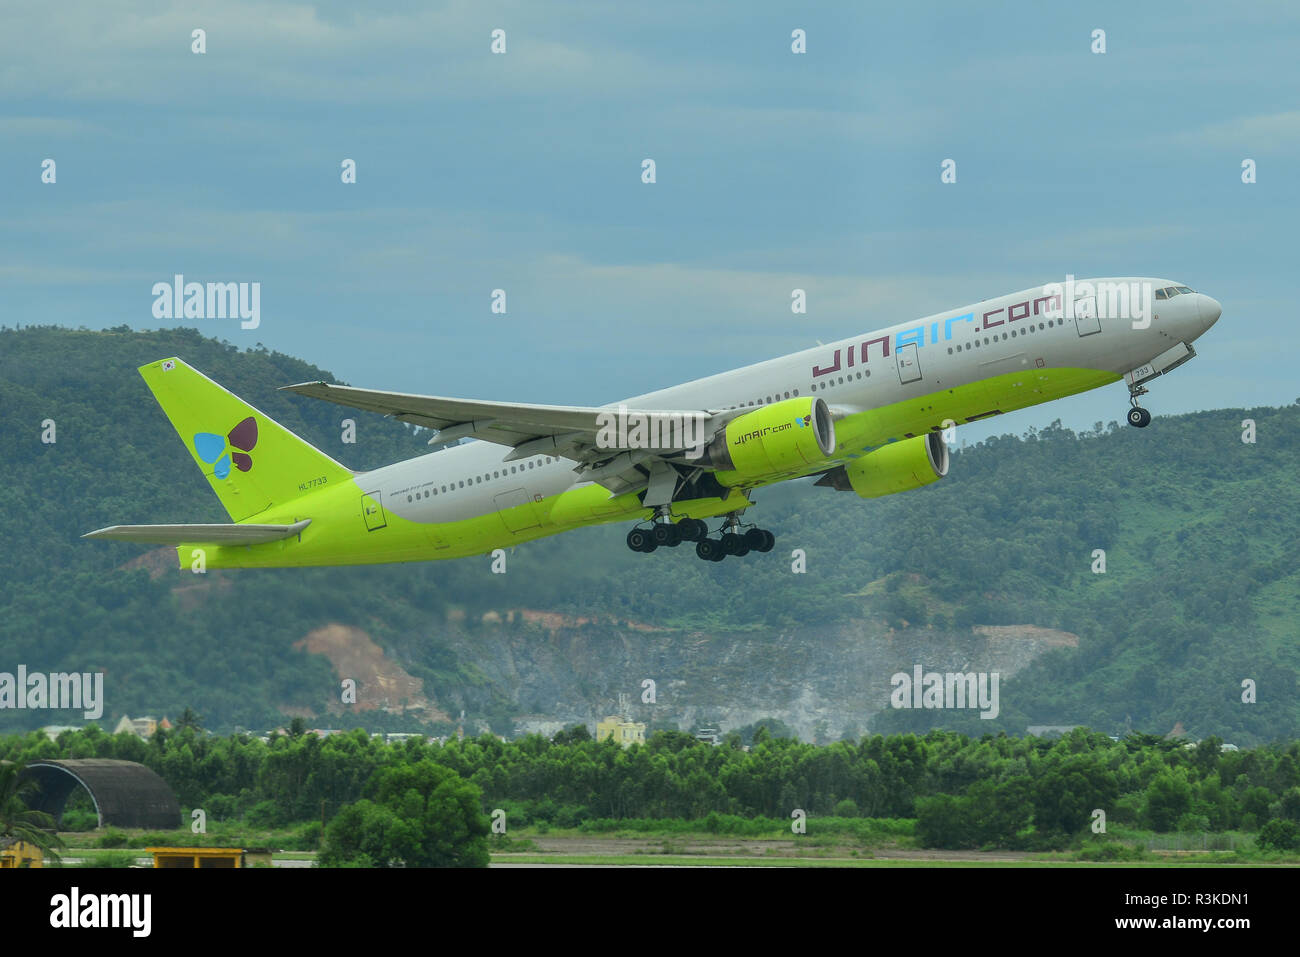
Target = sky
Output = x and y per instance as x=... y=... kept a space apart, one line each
x=522 y=171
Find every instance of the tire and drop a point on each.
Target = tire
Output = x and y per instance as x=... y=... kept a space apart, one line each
x=734 y=544
x=692 y=530
x=1139 y=418
x=709 y=549
x=665 y=534
x=639 y=540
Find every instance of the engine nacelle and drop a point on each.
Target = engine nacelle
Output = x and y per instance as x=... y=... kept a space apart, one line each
x=784 y=437
x=898 y=466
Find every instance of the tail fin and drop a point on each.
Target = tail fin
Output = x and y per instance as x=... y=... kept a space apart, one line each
x=251 y=461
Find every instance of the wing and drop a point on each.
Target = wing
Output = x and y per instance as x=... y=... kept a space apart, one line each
x=572 y=432
x=199 y=534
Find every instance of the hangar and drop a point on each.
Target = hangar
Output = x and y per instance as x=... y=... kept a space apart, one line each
x=125 y=794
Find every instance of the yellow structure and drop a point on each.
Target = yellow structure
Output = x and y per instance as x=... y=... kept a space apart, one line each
x=15 y=853
x=197 y=856
x=623 y=730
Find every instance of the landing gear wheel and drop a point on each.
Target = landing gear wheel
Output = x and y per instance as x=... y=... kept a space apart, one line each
x=665 y=534
x=1139 y=417
x=639 y=540
x=710 y=549
x=734 y=544
x=769 y=540
x=692 y=530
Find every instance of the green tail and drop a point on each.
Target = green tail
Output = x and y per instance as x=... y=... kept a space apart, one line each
x=251 y=461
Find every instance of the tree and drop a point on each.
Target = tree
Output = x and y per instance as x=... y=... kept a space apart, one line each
x=17 y=820
x=1168 y=798
x=366 y=834
x=189 y=718
x=1064 y=796
x=1278 y=835
x=417 y=815
x=572 y=734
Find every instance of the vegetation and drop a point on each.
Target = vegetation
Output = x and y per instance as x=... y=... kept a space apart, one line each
x=425 y=804
x=17 y=821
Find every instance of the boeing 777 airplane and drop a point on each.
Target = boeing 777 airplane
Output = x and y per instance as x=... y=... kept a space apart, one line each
x=866 y=414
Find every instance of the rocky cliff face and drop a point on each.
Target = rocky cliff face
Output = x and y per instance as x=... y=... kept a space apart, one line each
x=825 y=682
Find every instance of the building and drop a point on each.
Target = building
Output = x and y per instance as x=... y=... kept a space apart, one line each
x=1051 y=730
x=124 y=793
x=16 y=853
x=52 y=731
x=197 y=856
x=143 y=727
x=623 y=730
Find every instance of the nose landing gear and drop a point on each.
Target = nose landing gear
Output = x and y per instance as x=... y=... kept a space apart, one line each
x=1138 y=417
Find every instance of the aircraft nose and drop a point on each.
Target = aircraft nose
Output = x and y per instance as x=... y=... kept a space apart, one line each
x=1209 y=309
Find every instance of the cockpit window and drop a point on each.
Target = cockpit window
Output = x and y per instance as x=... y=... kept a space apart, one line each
x=1160 y=294
x=1186 y=290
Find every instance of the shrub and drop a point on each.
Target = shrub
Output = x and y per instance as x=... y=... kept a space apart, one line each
x=1279 y=835
x=112 y=838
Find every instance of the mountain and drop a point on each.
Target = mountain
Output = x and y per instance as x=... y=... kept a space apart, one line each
x=989 y=570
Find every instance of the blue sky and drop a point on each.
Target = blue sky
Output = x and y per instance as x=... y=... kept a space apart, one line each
x=522 y=172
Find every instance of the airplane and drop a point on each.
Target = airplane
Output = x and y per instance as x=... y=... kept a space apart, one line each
x=865 y=414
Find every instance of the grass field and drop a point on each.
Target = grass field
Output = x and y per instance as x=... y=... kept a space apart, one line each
x=641 y=846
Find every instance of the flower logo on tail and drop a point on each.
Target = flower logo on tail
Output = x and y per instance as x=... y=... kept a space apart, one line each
x=211 y=448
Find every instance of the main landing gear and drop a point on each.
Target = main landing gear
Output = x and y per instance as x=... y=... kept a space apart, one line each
x=663 y=532
x=1138 y=417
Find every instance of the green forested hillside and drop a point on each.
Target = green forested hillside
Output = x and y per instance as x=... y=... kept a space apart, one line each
x=1201 y=589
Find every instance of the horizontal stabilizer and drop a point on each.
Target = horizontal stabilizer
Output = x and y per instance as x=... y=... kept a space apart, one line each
x=199 y=534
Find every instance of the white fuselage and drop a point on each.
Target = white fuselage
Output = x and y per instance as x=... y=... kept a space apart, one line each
x=931 y=356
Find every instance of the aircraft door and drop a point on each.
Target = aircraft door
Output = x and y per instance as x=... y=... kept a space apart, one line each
x=372 y=510
x=516 y=510
x=909 y=368
x=1085 y=316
